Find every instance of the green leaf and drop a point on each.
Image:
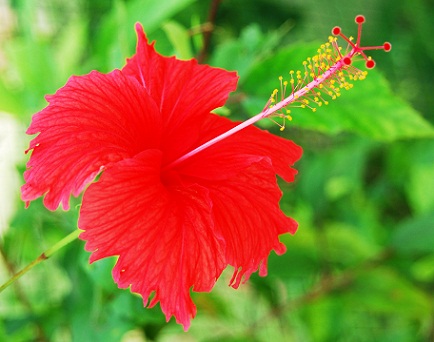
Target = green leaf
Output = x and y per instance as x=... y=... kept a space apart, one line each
x=384 y=291
x=32 y=60
x=420 y=159
x=71 y=47
x=346 y=245
x=239 y=54
x=197 y=38
x=422 y=269
x=179 y=38
x=334 y=174
x=370 y=109
x=120 y=24
x=152 y=13
x=243 y=53
x=422 y=178
x=100 y=273
x=10 y=99
x=415 y=235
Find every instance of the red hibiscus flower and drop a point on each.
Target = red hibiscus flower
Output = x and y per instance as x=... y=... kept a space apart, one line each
x=173 y=226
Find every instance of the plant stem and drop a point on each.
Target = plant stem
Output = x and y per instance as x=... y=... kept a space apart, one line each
x=207 y=34
x=44 y=256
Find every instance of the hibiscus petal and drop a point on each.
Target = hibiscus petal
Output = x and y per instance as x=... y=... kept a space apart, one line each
x=231 y=155
x=240 y=173
x=92 y=121
x=165 y=237
x=185 y=91
x=182 y=89
x=247 y=214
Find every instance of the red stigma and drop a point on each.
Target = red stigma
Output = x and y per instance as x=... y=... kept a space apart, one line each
x=360 y=19
x=347 y=60
x=370 y=64
x=336 y=31
x=356 y=47
x=387 y=46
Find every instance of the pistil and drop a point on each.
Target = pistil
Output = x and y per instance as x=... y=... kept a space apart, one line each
x=325 y=74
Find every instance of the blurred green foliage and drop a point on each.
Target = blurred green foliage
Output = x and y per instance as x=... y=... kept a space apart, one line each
x=361 y=266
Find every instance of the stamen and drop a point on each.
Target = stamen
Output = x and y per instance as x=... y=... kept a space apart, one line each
x=325 y=74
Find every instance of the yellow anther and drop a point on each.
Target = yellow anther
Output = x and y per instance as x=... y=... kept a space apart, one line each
x=313 y=95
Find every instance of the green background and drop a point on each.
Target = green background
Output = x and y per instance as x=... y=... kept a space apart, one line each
x=361 y=266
